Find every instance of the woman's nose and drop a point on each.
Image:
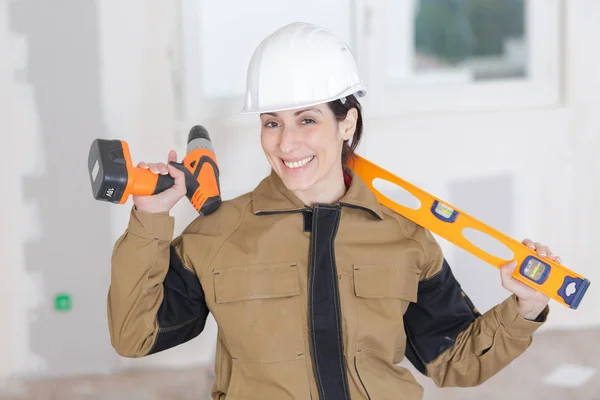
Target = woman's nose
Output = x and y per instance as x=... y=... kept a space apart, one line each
x=289 y=139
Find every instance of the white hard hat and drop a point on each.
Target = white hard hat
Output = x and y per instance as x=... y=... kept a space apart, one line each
x=300 y=65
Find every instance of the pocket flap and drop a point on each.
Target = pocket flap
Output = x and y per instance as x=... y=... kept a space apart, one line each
x=257 y=281
x=386 y=281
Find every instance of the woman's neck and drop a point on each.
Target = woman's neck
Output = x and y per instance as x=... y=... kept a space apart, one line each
x=326 y=191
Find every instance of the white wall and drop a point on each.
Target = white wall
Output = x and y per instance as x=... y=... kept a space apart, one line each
x=137 y=51
x=54 y=240
x=551 y=155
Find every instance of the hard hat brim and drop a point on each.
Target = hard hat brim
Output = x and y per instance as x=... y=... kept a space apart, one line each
x=359 y=90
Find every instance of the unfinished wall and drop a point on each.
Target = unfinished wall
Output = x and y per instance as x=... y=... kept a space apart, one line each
x=54 y=111
x=71 y=71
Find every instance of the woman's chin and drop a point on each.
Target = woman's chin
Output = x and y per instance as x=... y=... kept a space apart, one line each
x=297 y=183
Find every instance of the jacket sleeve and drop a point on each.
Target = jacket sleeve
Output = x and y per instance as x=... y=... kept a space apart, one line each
x=155 y=299
x=448 y=339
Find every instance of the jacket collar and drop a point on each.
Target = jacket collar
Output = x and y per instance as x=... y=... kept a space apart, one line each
x=271 y=196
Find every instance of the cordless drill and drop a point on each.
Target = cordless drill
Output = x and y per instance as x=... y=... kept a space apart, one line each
x=114 y=178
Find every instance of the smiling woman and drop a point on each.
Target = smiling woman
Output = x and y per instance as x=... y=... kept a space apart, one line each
x=308 y=147
x=319 y=291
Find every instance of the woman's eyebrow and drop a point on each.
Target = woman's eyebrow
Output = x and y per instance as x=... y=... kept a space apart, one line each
x=307 y=109
x=274 y=114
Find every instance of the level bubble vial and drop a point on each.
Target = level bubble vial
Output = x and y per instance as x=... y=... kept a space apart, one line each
x=443 y=212
x=535 y=270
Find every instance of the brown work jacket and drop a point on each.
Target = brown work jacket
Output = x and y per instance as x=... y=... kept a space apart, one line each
x=315 y=302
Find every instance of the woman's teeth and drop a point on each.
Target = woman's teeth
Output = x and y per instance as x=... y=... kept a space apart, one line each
x=298 y=164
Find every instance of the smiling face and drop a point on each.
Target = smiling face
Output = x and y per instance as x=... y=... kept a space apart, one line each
x=304 y=148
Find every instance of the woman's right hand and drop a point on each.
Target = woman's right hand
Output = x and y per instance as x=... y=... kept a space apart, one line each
x=164 y=201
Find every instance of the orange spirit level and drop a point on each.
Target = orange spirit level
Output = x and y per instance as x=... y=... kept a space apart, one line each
x=546 y=276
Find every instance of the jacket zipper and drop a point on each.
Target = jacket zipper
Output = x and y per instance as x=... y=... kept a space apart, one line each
x=310 y=338
x=337 y=294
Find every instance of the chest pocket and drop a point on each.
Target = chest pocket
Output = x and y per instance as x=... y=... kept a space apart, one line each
x=258 y=310
x=386 y=282
x=383 y=293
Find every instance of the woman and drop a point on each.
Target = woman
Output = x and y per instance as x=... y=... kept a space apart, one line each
x=318 y=290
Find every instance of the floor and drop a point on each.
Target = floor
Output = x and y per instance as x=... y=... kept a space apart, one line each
x=558 y=365
x=536 y=375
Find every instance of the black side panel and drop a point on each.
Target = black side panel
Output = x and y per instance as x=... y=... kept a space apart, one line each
x=183 y=312
x=441 y=313
x=324 y=308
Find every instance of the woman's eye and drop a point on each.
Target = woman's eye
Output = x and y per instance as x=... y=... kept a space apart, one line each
x=308 y=121
x=271 y=124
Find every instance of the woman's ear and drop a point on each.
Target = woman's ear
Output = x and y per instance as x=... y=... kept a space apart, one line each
x=348 y=125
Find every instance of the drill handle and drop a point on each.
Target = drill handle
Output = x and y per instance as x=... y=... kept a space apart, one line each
x=165 y=182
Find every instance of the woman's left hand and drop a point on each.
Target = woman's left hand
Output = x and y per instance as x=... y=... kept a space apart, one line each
x=530 y=302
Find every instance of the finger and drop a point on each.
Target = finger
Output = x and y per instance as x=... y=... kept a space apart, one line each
x=152 y=167
x=172 y=156
x=142 y=164
x=529 y=243
x=549 y=253
x=507 y=269
x=540 y=249
x=558 y=259
x=156 y=167
x=175 y=172
x=179 y=177
x=511 y=284
x=163 y=169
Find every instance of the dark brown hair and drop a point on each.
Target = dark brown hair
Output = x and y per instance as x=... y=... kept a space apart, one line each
x=340 y=110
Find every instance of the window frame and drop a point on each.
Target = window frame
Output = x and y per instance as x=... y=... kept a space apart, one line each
x=541 y=89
